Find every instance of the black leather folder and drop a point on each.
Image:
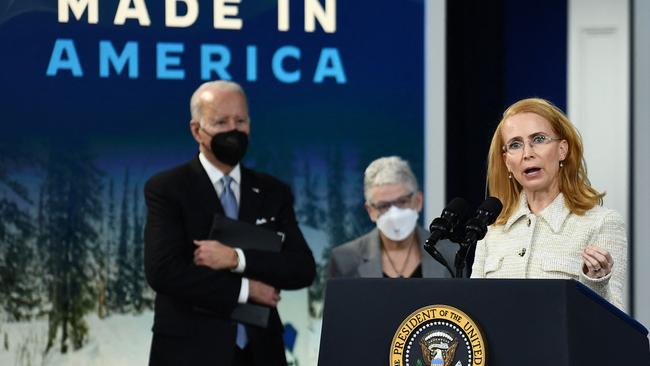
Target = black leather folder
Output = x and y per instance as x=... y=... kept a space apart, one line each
x=243 y=235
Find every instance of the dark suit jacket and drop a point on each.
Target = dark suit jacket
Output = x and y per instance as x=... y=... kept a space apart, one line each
x=361 y=257
x=192 y=323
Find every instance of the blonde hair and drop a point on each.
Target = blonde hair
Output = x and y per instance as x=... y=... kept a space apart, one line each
x=579 y=196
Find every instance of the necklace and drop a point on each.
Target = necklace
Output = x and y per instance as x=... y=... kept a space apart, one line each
x=400 y=273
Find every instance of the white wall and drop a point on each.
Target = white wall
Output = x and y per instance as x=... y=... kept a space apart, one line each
x=598 y=93
x=641 y=167
x=434 y=101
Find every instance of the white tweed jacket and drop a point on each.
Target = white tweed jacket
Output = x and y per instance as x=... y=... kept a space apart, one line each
x=548 y=245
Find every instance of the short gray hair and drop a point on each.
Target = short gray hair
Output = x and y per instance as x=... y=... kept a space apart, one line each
x=388 y=170
x=222 y=85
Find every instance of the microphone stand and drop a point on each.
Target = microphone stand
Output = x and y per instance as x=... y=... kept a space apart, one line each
x=475 y=229
x=461 y=256
x=461 y=259
x=430 y=247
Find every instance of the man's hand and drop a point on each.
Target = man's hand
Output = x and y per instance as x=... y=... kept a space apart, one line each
x=213 y=254
x=262 y=293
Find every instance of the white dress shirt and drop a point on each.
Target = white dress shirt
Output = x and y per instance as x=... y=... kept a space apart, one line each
x=548 y=245
x=215 y=176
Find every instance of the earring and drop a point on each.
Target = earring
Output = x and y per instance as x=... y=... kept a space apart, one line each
x=509 y=175
x=561 y=163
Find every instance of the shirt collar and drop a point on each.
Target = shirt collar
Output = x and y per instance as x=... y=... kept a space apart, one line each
x=215 y=174
x=555 y=214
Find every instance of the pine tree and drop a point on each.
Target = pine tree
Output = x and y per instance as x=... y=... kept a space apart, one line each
x=41 y=240
x=73 y=210
x=356 y=217
x=138 y=280
x=335 y=228
x=18 y=290
x=105 y=251
x=17 y=282
x=335 y=204
x=109 y=243
x=310 y=212
x=121 y=285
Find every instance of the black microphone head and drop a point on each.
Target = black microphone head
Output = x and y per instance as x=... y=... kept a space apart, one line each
x=491 y=207
x=486 y=214
x=455 y=211
x=491 y=204
x=458 y=206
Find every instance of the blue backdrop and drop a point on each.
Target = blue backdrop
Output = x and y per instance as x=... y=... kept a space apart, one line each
x=90 y=111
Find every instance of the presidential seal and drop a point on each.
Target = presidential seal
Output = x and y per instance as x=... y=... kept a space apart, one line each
x=438 y=335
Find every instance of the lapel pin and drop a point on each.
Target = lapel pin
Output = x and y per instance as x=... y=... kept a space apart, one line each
x=255 y=189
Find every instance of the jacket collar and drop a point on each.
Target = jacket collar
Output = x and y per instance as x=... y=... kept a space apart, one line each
x=250 y=193
x=251 y=196
x=554 y=214
x=371 y=256
x=207 y=196
x=215 y=174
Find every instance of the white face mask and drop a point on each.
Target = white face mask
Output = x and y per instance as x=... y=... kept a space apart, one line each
x=397 y=223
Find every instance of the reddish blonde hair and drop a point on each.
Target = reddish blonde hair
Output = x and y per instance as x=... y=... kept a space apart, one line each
x=573 y=182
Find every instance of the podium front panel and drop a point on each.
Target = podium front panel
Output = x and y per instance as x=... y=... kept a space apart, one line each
x=525 y=322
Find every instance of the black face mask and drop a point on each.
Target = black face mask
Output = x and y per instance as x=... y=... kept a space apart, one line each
x=229 y=147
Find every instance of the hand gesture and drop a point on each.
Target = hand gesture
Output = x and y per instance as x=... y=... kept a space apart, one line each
x=597 y=262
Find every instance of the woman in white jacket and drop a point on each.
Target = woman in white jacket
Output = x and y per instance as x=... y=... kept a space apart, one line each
x=552 y=224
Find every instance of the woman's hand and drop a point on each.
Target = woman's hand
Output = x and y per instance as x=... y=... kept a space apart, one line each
x=597 y=262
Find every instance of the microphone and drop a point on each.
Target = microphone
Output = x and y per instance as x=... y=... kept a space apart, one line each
x=443 y=227
x=475 y=229
x=486 y=214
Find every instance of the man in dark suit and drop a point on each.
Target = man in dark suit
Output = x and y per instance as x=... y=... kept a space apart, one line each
x=198 y=282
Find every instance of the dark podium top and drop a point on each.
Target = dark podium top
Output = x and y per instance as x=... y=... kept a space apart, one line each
x=525 y=322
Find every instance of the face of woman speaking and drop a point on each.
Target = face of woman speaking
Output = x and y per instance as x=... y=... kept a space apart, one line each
x=536 y=163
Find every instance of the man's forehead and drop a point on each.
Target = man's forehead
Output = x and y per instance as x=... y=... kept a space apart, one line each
x=207 y=96
x=216 y=95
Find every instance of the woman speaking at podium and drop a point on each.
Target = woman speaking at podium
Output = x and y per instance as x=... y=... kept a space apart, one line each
x=553 y=224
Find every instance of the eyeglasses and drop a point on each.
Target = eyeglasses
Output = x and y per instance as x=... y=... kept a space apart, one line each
x=401 y=202
x=516 y=146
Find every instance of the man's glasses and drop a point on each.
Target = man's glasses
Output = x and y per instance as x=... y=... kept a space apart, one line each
x=516 y=147
x=401 y=202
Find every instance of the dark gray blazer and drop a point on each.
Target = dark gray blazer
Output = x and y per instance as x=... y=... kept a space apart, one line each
x=361 y=257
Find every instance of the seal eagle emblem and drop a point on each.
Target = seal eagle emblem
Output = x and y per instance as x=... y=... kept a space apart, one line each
x=438 y=335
